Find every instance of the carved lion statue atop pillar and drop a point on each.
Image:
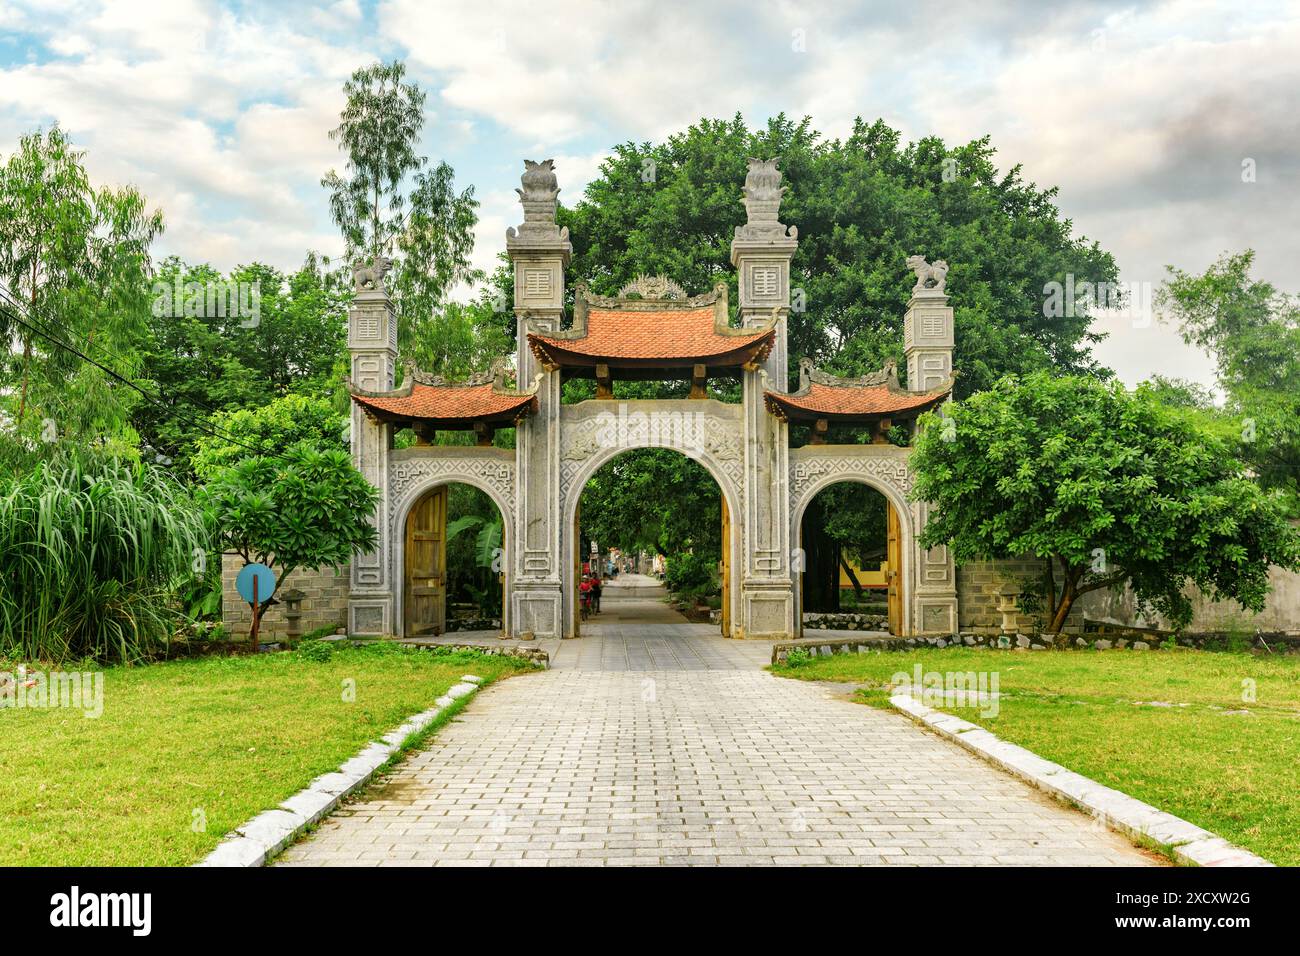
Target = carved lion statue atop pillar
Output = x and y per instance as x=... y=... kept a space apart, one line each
x=370 y=278
x=930 y=276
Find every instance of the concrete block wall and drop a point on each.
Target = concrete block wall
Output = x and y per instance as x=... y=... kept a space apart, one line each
x=978 y=583
x=326 y=601
x=1281 y=614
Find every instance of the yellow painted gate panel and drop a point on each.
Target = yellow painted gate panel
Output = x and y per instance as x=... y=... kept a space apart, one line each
x=726 y=569
x=894 y=570
x=425 y=605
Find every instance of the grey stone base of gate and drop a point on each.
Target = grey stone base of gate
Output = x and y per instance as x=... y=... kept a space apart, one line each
x=1185 y=842
x=881 y=641
x=854 y=644
x=845 y=621
x=268 y=833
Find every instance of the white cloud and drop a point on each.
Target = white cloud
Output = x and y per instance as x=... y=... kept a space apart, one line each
x=221 y=120
x=570 y=69
x=1141 y=114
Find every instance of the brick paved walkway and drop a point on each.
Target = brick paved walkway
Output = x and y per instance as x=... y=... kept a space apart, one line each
x=660 y=743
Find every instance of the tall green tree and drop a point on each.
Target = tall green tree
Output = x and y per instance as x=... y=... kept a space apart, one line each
x=1253 y=331
x=1108 y=487
x=201 y=359
x=305 y=509
x=76 y=257
x=862 y=205
x=391 y=202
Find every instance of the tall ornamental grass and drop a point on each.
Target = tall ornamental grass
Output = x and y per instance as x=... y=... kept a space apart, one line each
x=91 y=550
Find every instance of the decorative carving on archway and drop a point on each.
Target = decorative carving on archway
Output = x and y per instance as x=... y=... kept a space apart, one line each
x=708 y=436
x=496 y=472
x=807 y=471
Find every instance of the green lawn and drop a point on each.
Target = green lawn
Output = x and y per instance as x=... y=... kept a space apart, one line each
x=220 y=738
x=1236 y=774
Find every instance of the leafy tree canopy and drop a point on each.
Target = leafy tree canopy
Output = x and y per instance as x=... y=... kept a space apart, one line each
x=204 y=354
x=1108 y=486
x=391 y=202
x=271 y=430
x=1253 y=331
x=862 y=205
x=76 y=259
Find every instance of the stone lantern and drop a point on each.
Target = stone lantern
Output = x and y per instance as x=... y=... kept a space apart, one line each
x=293 y=599
x=1009 y=608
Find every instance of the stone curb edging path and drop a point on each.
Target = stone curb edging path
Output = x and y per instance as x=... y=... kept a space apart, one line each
x=1186 y=842
x=262 y=837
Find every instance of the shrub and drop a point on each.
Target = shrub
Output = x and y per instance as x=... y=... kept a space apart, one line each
x=305 y=509
x=1108 y=487
x=316 y=651
x=797 y=657
x=690 y=574
x=91 y=551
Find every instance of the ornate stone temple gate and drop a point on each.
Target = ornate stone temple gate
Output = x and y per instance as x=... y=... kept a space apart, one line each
x=652 y=330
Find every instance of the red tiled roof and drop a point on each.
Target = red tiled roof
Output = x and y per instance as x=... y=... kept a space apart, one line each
x=446 y=403
x=852 y=401
x=674 y=335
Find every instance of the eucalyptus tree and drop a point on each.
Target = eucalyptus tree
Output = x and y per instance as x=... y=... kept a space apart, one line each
x=391 y=201
x=1252 y=329
x=76 y=259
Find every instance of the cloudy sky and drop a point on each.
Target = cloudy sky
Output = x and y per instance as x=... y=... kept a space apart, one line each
x=1143 y=114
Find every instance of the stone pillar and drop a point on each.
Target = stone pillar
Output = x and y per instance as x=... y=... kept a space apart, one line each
x=372 y=344
x=927 y=345
x=928 y=328
x=540 y=251
x=761 y=252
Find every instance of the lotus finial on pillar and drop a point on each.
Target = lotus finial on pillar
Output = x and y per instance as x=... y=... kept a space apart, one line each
x=539 y=197
x=762 y=198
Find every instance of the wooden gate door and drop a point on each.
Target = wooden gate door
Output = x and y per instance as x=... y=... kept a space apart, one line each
x=426 y=565
x=894 y=572
x=726 y=569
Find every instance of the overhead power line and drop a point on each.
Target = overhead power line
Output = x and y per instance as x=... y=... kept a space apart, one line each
x=23 y=316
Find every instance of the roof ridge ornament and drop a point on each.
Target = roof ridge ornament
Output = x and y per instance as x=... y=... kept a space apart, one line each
x=539 y=197
x=673 y=297
x=887 y=375
x=762 y=197
x=653 y=287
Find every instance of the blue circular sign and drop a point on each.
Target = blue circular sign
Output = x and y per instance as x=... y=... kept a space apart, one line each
x=260 y=573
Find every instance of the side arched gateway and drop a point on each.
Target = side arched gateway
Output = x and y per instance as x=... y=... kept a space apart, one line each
x=927 y=578
x=418 y=472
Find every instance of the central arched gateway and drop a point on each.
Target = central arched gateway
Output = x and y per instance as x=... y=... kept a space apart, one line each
x=651 y=329
x=681 y=426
